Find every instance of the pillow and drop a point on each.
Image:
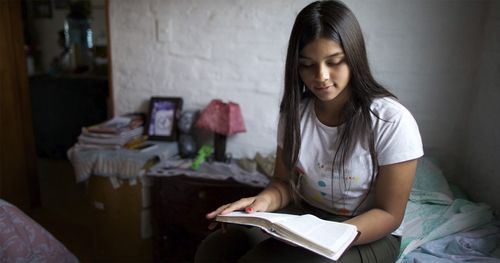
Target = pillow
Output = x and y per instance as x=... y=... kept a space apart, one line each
x=430 y=186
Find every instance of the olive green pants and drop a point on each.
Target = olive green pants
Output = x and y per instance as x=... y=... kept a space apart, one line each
x=250 y=244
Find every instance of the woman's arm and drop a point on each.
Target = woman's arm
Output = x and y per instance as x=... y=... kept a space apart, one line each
x=275 y=196
x=392 y=190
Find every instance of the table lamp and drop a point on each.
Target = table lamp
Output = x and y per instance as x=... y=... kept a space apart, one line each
x=223 y=119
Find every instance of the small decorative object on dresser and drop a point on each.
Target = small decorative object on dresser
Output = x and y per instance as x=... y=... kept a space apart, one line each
x=187 y=145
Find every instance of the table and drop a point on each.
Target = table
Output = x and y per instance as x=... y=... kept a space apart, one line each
x=119 y=195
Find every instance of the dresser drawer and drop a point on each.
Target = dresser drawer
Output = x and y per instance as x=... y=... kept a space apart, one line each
x=179 y=206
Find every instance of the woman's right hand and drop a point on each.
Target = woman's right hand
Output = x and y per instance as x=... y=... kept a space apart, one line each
x=249 y=204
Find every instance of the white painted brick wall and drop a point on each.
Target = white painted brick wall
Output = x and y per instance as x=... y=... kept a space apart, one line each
x=201 y=50
x=427 y=52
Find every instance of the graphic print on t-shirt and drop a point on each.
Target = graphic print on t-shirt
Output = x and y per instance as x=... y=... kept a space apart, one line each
x=318 y=187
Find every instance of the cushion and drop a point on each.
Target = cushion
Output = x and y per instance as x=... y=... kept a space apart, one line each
x=430 y=185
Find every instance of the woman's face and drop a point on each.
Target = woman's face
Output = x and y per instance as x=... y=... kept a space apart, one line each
x=323 y=69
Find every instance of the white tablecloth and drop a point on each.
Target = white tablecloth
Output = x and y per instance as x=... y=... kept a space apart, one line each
x=118 y=163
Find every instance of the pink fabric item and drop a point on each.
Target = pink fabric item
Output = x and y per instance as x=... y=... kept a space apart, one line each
x=222 y=118
x=24 y=240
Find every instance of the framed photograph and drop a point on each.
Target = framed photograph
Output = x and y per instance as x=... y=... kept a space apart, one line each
x=162 y=118
x=42 y=9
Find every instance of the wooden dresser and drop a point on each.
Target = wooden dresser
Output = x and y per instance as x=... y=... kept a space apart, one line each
x=179 y=205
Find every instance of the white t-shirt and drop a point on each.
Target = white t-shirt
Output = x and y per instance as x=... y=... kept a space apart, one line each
x=397 y=139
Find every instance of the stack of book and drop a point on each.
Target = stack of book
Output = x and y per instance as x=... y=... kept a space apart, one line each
x=113 y=133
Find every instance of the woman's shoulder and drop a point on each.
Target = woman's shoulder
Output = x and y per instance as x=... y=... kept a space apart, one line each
x=388 y=108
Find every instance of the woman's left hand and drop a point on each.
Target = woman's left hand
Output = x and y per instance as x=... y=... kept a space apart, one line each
x=249 y=204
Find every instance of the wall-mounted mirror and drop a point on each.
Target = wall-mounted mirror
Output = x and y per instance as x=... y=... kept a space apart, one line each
x=66 y=43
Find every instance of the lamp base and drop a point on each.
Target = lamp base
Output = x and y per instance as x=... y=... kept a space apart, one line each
x=220 y=147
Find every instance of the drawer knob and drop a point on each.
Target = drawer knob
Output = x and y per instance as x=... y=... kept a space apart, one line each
x=202 y=194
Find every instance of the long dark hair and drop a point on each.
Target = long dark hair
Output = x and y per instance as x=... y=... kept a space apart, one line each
x=332 y=20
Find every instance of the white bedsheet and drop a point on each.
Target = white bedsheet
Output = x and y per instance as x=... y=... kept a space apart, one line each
x=477 y=245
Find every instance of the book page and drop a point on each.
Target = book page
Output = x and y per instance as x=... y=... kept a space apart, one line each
x=271 y=217
x=328 y=234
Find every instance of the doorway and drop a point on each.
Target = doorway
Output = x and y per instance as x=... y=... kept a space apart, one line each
x=67 y=61
x=66 y=45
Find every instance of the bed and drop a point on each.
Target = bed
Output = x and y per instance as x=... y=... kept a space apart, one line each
x=24 y=240
x=442 y=225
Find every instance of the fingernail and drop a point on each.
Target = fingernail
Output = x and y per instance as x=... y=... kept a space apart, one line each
x=249 y=210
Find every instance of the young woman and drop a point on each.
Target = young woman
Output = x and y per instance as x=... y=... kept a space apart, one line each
x=347 y=150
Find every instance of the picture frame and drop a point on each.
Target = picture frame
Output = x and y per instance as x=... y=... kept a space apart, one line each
x=162 y=118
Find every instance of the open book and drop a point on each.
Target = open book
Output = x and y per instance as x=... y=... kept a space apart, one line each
x=327 y=238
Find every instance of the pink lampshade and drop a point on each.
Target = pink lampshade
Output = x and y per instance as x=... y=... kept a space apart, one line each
x=222 y=118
